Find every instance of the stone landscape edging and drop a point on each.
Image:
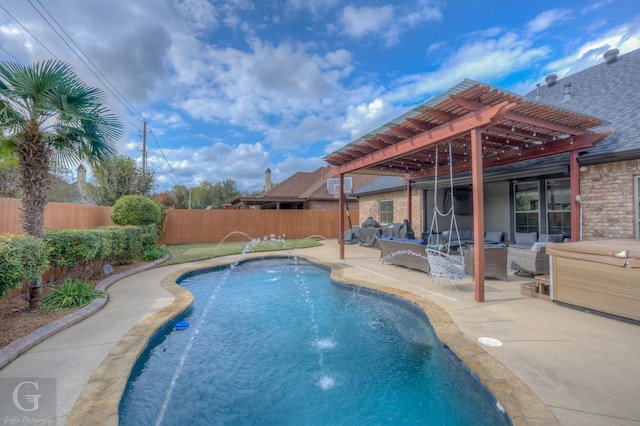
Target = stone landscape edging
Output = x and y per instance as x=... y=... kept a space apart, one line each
x=20 y=346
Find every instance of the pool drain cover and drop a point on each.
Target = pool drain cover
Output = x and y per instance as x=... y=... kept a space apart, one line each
x=489 y=341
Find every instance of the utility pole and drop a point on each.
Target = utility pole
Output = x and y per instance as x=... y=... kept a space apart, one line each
x=144 y=147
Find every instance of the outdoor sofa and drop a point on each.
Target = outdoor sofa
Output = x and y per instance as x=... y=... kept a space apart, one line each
x=370 y=230
x=465 y=237
x=528 y=253
x=405 y=252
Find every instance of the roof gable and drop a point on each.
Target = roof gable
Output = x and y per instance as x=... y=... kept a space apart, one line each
x=312 y=185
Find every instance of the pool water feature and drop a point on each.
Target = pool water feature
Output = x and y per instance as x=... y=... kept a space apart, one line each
x=274 y=341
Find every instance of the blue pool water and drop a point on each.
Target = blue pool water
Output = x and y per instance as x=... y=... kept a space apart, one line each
x=275 y=342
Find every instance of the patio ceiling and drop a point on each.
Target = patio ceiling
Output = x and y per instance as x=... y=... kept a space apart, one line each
x=512 y=130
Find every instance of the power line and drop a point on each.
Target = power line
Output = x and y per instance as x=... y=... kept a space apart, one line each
x=102 y=78
x=9 y=53
x=28 y=32
x=164 y=156
x=95 y=70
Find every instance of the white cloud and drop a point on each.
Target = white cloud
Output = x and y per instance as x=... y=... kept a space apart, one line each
x=486 y=60
x=624 y=37
x=595 y=6
x=244 y=163
x=387 y=22
x=360 y=22
x=293 y=164
x=365 y=117
x=316 y=7
x=200 y=13
x=547 y=19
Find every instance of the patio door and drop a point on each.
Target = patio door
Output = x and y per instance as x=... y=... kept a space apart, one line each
x=527 y=206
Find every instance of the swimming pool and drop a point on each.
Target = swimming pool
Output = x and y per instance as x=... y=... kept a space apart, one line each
x=274 y=341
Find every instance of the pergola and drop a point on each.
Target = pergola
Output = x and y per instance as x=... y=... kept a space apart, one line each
x=485 y=127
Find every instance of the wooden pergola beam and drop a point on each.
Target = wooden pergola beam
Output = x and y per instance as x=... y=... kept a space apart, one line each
x=402 y=132
x=420 y=124
x=440 y=115
x=521 y=118
x=435 y=136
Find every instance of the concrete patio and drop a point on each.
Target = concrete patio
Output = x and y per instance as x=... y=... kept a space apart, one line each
x=556 y=364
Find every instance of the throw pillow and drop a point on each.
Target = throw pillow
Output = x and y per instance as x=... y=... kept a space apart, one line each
x=526 y=238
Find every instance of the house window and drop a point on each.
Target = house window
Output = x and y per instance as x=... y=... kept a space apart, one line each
x=386 y=211
x=559 y=207
x=527 y=206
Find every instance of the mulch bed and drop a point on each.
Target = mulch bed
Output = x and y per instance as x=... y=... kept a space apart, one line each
x=16 y=323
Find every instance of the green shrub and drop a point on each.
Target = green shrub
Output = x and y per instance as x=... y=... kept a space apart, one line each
x=68 y=247
x=154 y=253
x=22 y=258
x=71 y=294
x=136 y=210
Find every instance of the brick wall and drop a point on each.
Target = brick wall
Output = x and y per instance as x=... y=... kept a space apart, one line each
x=608 y=201
x=331 y=204
x=370 y=207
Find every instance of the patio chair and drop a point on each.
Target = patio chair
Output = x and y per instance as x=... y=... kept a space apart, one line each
x=528 y=260
x=495 y=262
x=443 y=265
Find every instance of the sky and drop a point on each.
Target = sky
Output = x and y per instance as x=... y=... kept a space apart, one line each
x=229 y=88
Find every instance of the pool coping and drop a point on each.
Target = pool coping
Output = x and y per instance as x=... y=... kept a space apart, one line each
x=100 y=397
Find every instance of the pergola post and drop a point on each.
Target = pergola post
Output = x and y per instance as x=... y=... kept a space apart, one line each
x=341 y=211
x=478 y=212
x=574 y=183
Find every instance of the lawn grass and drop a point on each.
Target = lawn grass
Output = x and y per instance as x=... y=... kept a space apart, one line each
x=183 y=253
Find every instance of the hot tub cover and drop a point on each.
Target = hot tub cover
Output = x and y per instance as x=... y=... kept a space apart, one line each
x=617 y=252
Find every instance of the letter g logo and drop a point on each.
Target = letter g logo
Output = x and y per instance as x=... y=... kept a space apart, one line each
x=33 y=399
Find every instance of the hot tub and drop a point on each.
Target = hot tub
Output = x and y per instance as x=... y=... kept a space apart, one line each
x=599 y=275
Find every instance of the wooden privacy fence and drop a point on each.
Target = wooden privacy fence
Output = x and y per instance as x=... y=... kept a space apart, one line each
x=56 y=216
x=206 y=226
x=191 y=226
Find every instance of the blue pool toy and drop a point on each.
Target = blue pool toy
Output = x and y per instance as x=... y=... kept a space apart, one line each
x=182 y=325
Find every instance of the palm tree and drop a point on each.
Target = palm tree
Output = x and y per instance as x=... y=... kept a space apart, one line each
x=51 y=119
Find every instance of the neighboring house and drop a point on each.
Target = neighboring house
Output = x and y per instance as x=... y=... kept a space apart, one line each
x=536 y=194
x=303 y=191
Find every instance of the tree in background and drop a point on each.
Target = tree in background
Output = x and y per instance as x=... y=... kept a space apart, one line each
x=225 y=192
x=212 y=195
x=51 y=120
x=180 y=194
x=61 y=186
x=166 y=199
x=119 y=178
x=9 y=176
x=202 y=195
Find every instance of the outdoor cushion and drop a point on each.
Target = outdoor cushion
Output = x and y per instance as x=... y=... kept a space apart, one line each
x=493 y=236
x=462 y=235
x=526 y=238
x=550 y=238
